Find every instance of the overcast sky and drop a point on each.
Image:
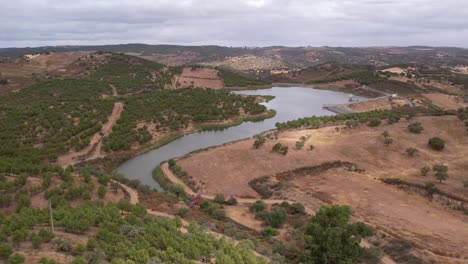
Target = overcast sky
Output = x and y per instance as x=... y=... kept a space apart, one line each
x=235 y=22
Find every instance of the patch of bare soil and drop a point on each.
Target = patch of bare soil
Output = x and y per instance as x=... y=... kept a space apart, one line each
x=396 y=70
x=429 y=226
x=446 y=101
x=378 y=104
x=236 y=164
x=404 y=216
x=198 y=77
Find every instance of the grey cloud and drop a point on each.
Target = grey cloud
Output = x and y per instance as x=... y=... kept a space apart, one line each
x=235 y=22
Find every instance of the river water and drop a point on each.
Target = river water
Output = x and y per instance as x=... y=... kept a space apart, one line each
x=290 y=103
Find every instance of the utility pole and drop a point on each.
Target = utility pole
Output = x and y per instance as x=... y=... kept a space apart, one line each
x=51 y=217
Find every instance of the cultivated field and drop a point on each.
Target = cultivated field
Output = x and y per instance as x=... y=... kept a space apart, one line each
x=198 y=77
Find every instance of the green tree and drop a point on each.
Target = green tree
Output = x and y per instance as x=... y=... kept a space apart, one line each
x=5 y=250
x=436 y=143
x=16 y=258
x=388 y=141
x=258 y=206
x=102 y=190
x=411 y=152
x=430 y=188
x=259 y=141
x=425 y=170
x=374 y=122
x=415 y=127
x=386 y=134
x=268 y=232
x=219 y=198
x=330 y=239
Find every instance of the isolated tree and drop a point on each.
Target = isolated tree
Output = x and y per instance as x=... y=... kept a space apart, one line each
x=441 y=176
x=299 y=144
x=436 y=143
x=386 y=134
x=425 y=170
x=388 y=141
x=329 y=238
x=259 y=141
x=374 y=122
x=415 y=127
x=411 y=152
x=219 y=198
x=431 y=188
x=115 y=186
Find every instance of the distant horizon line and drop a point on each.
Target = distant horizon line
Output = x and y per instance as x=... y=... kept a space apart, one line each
x=224 y=46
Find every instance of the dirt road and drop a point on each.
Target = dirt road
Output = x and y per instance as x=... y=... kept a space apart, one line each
x=174 y=179
x=93 y=150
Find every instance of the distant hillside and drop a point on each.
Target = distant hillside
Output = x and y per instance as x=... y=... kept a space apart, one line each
x=269 y=57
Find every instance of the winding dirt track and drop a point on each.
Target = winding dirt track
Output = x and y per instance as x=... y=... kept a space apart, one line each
x=134 y=199
x=174 y=179
x=93 y=150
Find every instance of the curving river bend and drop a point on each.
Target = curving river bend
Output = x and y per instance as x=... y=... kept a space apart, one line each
x=290 y=103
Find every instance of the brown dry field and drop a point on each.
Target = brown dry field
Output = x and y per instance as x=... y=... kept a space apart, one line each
x=428 y=225
x=20 y=72
x=199 y=77
x=446 y=101
x=238 y=163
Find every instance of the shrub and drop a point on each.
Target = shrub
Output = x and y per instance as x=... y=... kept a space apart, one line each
x=415 y=127
x=5 y=250
x=385 y=134
x=351 y=123
x=79 y=249
x=182 y=212
x=372 y=255
x=259 y=141
x=218 y=214
x=45 y=260
x=299 y=144
x=231 y=201
x=431 y=188
x=425 y=170
x=204 y=204
x=46 y=235
x=411 y=152
x=274 y=218
x=258 y=206
x=278 y=147
x=63 y=245
x=436 y=143
x=361 y=229
x=101 y=191
x=388 y=141
x=16 y=258
x=311 y=147
x=393 y=119
x=440 y=168
x=465 y=184
x=297 y=208
x=374 y=122
x=36 y=241
x=268 y=232
x=219 y=198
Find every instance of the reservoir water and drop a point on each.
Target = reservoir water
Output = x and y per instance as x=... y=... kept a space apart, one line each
x=290 y=103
